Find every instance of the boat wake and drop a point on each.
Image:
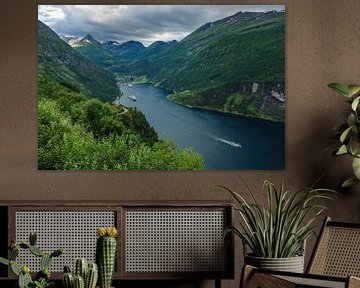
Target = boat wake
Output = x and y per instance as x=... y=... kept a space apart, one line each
x=231 y=143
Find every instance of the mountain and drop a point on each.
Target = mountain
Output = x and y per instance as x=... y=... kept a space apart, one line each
x=156 y=48
x=128 y=50
x=92 y=49
x=240 y=48
x=68 y=39
x=111 y=53
x=109 y=43
x=235 y=64
x=58 y=61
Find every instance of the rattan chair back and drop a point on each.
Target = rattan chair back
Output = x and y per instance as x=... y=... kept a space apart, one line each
x=337 y=252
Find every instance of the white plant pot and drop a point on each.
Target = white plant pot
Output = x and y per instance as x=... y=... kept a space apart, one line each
x=291 y=264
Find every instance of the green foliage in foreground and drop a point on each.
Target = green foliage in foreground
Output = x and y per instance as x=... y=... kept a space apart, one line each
x=76 y=132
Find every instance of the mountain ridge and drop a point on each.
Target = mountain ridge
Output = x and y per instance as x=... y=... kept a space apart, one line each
x=213 y=66
x=58 y=61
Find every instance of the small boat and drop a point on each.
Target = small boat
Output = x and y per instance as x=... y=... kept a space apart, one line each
x=132 y=97
x=130 y=85
x=231 y=143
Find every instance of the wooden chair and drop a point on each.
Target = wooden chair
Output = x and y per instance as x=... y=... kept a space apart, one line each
x=334 y=263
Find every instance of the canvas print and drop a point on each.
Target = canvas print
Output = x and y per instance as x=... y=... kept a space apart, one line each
x=161 y=87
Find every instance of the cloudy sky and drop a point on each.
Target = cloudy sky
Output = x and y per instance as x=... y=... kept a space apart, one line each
x=144 y=23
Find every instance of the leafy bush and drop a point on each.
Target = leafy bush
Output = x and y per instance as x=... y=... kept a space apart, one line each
x=77 y=132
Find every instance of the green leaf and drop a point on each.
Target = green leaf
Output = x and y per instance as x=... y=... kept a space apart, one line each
x=349 y=182
x=342 y=150
x=14 y=268
x=354 y=145
x=356 y=167
x=4 y=261
x=32 y=238
x=23 y=245
x=36 y=251
x=353 y=89
x=13 y=253
x=355 y=103
x=45 y=261
x=351 y=120
x=345 y=134
x=340 y=88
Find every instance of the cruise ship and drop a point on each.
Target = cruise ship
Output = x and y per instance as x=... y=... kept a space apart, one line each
x=132 y=97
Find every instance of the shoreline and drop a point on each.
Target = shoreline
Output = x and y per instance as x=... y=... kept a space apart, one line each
x=220 y=111
x=199 y=107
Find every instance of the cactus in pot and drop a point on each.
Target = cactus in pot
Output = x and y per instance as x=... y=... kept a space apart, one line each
x=25 y=279
x=79 y=282
x=42 y=278
x=80 y=267
x=106 y=254
x=91 y=276
x=68 y=278
x=85 y=275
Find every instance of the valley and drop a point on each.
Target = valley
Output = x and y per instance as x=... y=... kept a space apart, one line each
x=215 y=99
x=225 y=141
x=233 y=65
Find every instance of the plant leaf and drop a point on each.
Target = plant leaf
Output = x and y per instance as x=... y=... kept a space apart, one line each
x=342 y=150
x=354 y=145
x=345 y=134
x=355 y=103
x=353 y=89
x=349 y=182
x=4 y=261
x=351 y=121
x=340 y=88
x=356 y=167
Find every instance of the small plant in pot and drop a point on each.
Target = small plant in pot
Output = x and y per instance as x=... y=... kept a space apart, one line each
x=106 y=254
x=84 y=274
x=276 y=233
x=25 y=280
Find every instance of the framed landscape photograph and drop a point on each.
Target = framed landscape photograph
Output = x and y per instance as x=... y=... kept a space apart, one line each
x=161 y=87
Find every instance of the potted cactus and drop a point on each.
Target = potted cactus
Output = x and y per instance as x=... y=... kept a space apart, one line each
x=106 y=254
x=42 y=278
x=85 y=275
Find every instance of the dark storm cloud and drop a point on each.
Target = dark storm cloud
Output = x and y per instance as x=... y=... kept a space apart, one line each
x=145 y=23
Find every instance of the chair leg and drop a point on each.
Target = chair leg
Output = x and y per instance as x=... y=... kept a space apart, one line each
x=217 y=283
x=246 y=274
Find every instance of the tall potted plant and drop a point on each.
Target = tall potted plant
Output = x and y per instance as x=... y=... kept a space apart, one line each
x=276 y=233
x=348 y=132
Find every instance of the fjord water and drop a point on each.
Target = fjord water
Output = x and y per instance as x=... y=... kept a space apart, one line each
x=225 y=141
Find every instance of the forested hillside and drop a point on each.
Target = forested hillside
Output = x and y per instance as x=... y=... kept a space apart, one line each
x=235 y=65
x=58 y=61
x=78 y=130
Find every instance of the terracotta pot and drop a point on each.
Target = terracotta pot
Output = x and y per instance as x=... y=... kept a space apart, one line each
x=291 y=264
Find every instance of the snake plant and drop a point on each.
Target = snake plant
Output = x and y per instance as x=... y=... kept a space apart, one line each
x=279 y=228
x=348 y=132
